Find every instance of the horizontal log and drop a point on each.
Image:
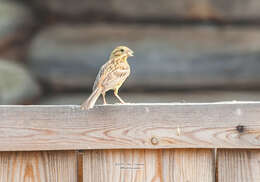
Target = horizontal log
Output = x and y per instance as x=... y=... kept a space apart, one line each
x=68 y=57
x=176 y=125
x=155 y=97
x=235 y=10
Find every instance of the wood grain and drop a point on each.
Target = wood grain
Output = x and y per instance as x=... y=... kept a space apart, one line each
x=38 y=166
x=238 y=165
x=169 y=165
x=131 y=126
x=192 y=165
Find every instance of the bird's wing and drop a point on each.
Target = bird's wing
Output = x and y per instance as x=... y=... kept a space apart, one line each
x=103 y=72
x=110 y=73
x=121 y=73
x=116 y=77
x=99 y=75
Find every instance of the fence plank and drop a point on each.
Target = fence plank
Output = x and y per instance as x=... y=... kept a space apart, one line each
x=113 y=166
x=38 y=166
x=148 y=165
x=153 y=166
x=131 y=126
x=189 y=165
x=239 y=165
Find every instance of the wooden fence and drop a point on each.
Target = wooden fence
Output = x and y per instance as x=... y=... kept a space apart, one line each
x=186 y=142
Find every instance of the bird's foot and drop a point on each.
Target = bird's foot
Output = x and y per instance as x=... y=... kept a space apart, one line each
x=122 y=102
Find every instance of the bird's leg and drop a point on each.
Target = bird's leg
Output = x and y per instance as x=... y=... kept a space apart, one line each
x=116 y=94
x=104 y=98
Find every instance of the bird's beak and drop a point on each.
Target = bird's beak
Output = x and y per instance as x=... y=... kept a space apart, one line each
x=130 y=53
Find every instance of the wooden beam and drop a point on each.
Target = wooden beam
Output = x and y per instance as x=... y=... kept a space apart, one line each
x=147 y=126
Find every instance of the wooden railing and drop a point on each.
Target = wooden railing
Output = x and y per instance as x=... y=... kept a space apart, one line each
x=203 y=142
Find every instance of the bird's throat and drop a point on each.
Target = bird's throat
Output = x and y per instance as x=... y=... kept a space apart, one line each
x=121 y=59
x=124 y=59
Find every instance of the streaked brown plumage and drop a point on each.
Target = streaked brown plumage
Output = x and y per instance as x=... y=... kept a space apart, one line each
x=111 y=76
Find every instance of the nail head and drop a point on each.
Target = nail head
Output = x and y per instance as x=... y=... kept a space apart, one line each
x=154 y=140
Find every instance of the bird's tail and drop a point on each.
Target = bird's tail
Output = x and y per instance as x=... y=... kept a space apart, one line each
x=90 y=102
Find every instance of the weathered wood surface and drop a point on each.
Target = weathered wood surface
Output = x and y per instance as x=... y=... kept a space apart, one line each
x=130 y=126
x=38 y=166
x=238 y=165
x=169 y=165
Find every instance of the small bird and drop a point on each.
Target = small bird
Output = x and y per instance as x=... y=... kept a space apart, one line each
x=111 y=76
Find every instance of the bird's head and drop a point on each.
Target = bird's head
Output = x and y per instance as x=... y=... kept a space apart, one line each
x=121 y=51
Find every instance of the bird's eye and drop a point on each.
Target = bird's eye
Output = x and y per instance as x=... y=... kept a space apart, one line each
x=122 y=50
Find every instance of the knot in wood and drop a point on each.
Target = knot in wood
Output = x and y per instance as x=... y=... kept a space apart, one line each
x=240 y=128
x=154 y=140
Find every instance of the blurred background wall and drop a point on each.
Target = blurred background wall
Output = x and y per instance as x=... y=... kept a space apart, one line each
x=185 y=51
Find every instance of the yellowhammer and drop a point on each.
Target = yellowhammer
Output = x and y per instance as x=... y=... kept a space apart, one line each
x=110 y=76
